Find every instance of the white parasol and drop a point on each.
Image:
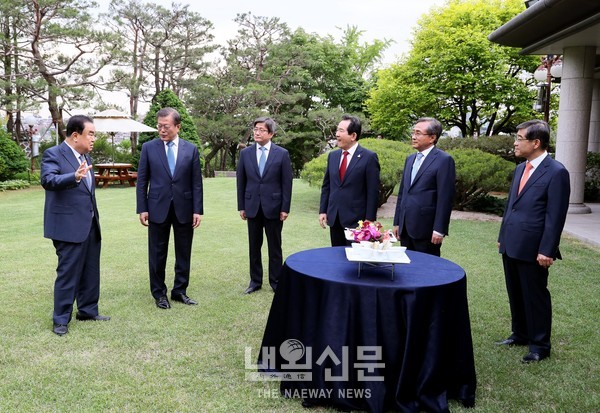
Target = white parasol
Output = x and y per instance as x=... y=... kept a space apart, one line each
x=113 y=121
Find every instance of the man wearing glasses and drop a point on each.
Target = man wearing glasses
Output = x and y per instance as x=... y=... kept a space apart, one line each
x=264 y=194
x=426 y=192
x=169 y=195
x=532 y=224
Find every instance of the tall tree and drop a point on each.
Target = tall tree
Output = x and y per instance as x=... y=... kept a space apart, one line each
x=65 y=54
x=455 y=74
x=302 y=80
x=165 y=49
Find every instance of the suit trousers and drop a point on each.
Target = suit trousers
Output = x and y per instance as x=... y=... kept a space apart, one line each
x=419 y=245
x=272 y=228
x=77 y=276
x=158 y=250
x=530 y=303
x=337 y=234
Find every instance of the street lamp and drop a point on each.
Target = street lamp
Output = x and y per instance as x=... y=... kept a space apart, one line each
x=551 y=67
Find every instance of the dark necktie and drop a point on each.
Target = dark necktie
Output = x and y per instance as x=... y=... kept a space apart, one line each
x=87 y=179
x=171 y=157
x=344 y=165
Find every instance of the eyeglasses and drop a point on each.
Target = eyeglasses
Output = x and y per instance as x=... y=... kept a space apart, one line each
x=260 y=130
x=418 y=134
x=165 y=127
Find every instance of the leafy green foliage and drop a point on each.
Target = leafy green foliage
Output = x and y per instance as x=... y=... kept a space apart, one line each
x=12 y=157
x=164 y=99
x=314 y=171
x=391 y=154
x=501 y=145
x=13 y=184
x=456 y=75
x=477 y=174
x=106 y=151
x=592 y=178
x=305 y=82
x=33 y=178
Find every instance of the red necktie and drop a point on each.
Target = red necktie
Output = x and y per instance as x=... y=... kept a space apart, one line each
x=525 y=177
x=344 y=165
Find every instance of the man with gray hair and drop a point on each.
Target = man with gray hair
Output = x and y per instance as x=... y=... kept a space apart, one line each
x=264 y=194
x=426 y=192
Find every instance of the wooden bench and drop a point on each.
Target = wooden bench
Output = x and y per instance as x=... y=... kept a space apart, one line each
x=106 y=179
x=225 y=174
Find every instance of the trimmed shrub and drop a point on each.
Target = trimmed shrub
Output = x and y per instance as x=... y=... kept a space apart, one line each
x=391 y=154
x=477 y=174
x=501 y=145
x=167 y=98
x=12 y=158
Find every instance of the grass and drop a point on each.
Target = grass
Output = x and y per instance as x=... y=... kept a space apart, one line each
x=191 y=359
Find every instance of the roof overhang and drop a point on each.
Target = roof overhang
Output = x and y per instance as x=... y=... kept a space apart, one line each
x=550 y=26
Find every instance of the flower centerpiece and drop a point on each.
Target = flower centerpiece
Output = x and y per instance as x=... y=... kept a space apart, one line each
x=372 y=234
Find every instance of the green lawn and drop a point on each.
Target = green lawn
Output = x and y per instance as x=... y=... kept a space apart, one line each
x=191 y=359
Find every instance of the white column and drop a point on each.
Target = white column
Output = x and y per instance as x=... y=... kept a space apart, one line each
x=594 y=139
x=574 y=119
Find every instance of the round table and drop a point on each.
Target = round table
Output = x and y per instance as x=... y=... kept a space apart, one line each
x=371 y=343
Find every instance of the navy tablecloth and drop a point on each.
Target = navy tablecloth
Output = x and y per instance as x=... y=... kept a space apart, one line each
x=371 y=343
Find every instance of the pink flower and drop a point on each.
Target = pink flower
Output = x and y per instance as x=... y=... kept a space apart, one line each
x=370 y=231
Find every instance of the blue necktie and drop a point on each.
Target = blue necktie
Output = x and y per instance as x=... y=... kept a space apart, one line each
x=262 y=160
x=171 y=157
x=415 y=167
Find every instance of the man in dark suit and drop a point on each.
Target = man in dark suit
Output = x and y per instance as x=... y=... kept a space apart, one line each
x=533 y=221
x=169 y=195
x=71 y=221
x=264 y=193
x=350 y=190
x=426 y=192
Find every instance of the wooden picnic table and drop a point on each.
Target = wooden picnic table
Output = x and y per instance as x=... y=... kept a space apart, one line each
x=112 y=172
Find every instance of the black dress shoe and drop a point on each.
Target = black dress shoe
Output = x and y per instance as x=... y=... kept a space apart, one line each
x=163 y=302
x=182 y=298
x=511 y=342
x=98 y=317
x=60 y=329
x=250 y=290
x=532 y=357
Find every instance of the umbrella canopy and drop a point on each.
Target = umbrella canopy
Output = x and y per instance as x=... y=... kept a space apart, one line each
x=113 y=121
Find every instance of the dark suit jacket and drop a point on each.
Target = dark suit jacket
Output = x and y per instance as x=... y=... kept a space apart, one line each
x=426 y=205
x=70 y=207
x=273 y=191
x=357 y=197
x=533 y=220
x=156 y=187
